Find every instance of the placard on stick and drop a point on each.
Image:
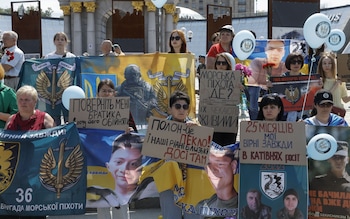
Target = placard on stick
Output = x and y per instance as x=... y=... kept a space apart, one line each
x=100 y=113
x=168 y=139
x=264 y=142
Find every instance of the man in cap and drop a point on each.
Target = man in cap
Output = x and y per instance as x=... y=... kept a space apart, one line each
x=225 y=45
x=323 y=103
x=336 y=180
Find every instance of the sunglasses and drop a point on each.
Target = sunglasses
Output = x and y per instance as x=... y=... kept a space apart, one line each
x=323 y=105
x=221 y=63
x=296 y=62
x=175 y=38
x=178 y=106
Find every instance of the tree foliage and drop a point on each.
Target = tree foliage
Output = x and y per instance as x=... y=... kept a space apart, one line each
x=47 y=13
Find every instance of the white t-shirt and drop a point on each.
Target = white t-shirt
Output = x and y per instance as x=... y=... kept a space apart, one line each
x=53 y=55
x=15 y=58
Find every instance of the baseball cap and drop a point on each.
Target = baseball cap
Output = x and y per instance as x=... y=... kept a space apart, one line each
x=227 y=28
x=323 y=96
x=342 y=149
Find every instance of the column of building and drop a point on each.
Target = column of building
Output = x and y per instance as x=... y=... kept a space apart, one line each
x=67 y=26
x=152 y=31
x=170 y=10
x=77 y=31
x=90 y=35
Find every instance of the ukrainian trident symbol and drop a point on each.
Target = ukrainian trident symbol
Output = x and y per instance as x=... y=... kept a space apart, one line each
x=67 y=175
x=169 y=82
x=57 y=86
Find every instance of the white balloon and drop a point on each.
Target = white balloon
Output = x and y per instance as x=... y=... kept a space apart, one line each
x=336 y=40
x=243 y=44
x=71 y=92
x=316 y=30
x=321 y=147
x=159 y=3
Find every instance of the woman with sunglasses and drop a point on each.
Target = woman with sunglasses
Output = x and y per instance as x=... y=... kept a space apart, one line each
x=225 y=61
x=271 y=108
x=294 y=63
x=179 y=107
x=321 y=114
x=328 y=72
x=177 y=42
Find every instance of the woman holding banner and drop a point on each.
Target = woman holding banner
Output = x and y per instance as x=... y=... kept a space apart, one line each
x=106 y=88
x=172 y=178
x=328 y=72
x=225 y=61
x=28 y=118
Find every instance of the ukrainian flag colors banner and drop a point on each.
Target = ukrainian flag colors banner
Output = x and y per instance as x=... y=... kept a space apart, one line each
x=148 y=79
x=42 y=172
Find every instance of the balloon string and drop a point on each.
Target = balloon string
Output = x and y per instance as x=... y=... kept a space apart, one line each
x=313 y=60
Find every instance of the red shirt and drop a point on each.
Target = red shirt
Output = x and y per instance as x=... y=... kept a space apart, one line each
x=216 y=49
x=35 y=122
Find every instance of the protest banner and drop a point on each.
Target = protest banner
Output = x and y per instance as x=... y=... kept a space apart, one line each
x=219 y=98
x=294 y=89
x=42 y=172
x=274 y=155
x=167 y=139
x=221 y=118
x=100 y=113
x=329 y=180
x=343 y=67
x=272 y=143
x=220 y=87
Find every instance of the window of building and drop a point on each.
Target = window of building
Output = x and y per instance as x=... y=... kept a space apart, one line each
x=242 y=8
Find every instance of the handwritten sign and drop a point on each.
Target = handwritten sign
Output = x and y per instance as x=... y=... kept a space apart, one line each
x=168 y=139
x=104 y=113
x=272 y=143
x=221 y=118
x=217 y=86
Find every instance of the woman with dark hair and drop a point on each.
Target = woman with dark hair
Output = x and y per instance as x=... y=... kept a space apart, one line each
x=177 y=42
x=61 y=41
x=294 y=63
x=106 y=88
x=271 y=108
x=225 y=61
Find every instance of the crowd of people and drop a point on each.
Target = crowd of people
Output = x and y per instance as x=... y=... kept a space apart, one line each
x=19 y=113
